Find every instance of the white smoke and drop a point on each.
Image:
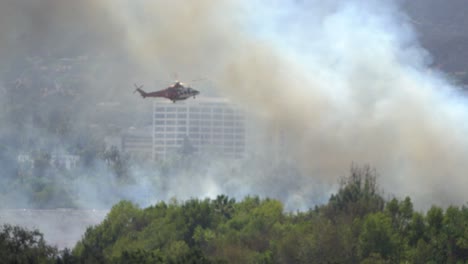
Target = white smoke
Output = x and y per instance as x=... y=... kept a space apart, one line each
x=346 y=81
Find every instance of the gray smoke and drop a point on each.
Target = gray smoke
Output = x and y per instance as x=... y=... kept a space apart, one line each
x=341 y=82
x=345 y=81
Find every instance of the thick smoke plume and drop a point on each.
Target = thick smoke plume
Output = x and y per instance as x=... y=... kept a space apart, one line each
x=341 y=81
x=344 y=81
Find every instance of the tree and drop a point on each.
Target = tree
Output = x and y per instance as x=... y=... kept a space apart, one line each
x=98 y=241
x=138 y=256
x=455 y=228
x=224 y=206
x=19 y=245
x=118 y=162
x=378 y=237
x=435 y=217
x=437 y=240
x=417 y=230
x=358 y=195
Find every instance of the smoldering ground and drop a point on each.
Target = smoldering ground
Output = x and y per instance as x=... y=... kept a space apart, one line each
x=343 y=82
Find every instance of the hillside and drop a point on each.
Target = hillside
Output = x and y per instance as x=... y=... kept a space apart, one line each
x=442 y=28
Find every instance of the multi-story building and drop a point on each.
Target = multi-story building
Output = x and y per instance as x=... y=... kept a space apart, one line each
x=57 y=160
x=205 y=125
x=138 y=142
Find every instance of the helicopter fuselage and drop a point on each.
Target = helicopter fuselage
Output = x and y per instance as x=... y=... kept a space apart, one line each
x=176 y=92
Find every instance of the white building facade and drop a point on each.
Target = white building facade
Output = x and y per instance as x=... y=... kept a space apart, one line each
x=204 y=125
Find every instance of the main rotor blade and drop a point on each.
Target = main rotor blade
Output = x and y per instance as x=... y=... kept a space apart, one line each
x=199 y=79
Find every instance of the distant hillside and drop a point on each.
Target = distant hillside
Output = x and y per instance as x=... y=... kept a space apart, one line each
x=443 y=31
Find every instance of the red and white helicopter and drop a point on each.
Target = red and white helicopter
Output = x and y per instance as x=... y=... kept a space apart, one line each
x=176 y=92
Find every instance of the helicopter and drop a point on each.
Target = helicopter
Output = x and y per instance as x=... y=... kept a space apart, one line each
x=176 y=92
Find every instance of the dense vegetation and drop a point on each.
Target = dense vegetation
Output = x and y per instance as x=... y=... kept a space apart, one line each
x=356 y=226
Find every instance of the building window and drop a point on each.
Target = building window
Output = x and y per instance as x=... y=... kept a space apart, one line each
x=240 y=136
x=205 y=123
x=194 y=116
x=239 y=143
x=194 y=136
x=238 y=124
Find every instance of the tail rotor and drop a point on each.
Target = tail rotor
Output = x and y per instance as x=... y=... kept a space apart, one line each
x=138 y=89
